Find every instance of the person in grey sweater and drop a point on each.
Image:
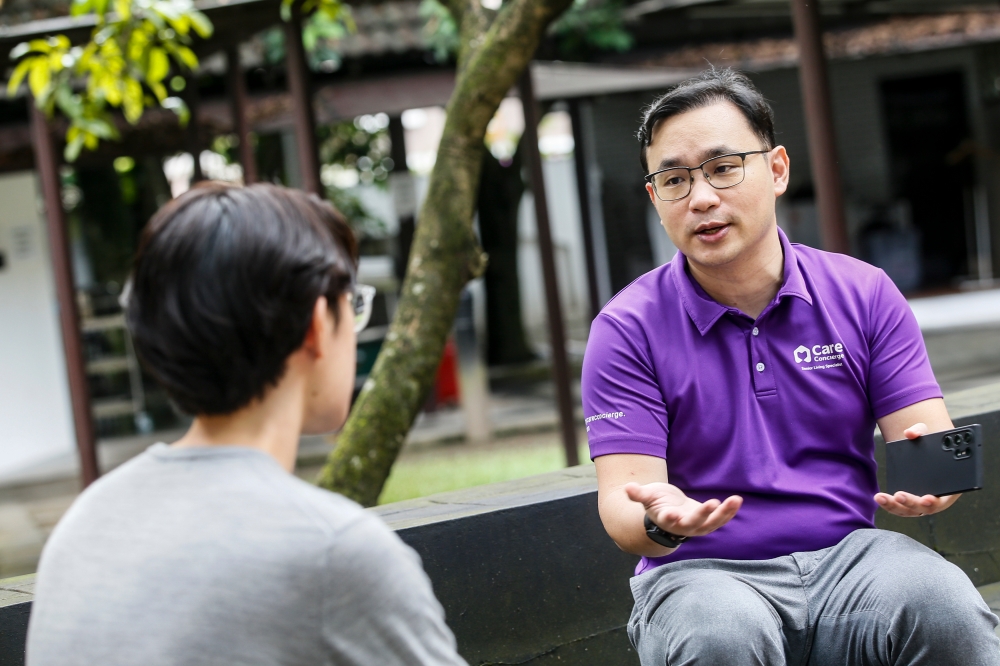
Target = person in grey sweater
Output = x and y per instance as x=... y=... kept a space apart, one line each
x=244 y=305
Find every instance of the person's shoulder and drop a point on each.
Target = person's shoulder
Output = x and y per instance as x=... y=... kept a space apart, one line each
x=111 y=488
x=329 y=511
x=644 y=297
x=835 y=271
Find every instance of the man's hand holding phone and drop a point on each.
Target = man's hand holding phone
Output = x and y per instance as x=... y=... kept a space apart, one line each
x=673 y=511
x=908 y=505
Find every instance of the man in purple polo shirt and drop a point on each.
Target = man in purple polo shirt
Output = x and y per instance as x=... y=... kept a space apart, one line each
x=755 y=371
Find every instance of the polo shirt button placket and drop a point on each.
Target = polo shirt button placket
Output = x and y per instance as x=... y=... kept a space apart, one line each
x=763 y=377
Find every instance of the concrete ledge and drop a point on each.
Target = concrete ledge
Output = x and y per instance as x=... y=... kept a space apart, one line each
x=527 y=575
x=524 y=569
x=15 y=606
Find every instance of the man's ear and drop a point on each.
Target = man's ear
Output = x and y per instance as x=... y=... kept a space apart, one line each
x=780 y=165
x=314 y=343
x=652 y=195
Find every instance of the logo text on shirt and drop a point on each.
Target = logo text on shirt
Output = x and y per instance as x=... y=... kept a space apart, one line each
x=598 y=417
x=825 y=356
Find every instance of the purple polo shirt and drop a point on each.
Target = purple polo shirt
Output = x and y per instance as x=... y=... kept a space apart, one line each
x=780 y=411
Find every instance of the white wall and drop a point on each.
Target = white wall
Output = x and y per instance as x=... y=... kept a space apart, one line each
x=35 y=417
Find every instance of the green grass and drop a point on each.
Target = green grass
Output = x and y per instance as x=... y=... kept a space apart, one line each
x=455 y=467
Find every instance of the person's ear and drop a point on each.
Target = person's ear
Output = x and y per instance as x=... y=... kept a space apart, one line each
x=315 y=341
x=779 y=169
x=652 y=194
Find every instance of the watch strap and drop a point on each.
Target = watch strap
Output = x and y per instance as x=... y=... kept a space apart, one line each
x=661 y=536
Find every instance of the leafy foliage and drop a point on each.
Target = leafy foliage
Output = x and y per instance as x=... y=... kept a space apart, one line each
x=327 y=22
x=360 y=149
x=591 y=24
x=133 y=48
x=440 y=32
x=587 y=24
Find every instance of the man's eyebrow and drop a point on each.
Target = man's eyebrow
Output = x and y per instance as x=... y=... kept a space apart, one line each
x=707 y=154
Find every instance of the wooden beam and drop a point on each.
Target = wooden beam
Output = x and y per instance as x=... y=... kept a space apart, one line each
x=302 y=103
x=583 y=196
x=819 y=123
x=557 y=334
x=47 y=166
x=241 y=118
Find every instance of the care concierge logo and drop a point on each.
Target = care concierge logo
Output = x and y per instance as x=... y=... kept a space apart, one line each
x=824 y=356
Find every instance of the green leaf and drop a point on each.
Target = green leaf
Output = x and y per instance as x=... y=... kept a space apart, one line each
x=132 y=103
x=159 y=90
x=17 y=77
x=20 y=51
x=159 y=65
x=74 y=146
x=39 y=77
x=68 y=103
x=124 y=9
x=202 y=25
x=186 y=56
x=81 y=7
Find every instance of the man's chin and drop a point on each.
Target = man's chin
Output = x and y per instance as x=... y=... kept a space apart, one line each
x=712 y=256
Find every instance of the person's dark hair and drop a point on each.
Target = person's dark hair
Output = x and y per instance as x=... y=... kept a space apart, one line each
x=224 y=285
x=710 y=87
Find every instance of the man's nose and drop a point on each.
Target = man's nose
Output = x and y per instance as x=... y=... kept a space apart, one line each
x=703 y=195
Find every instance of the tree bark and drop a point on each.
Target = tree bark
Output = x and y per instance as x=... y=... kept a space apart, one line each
x=496 y=48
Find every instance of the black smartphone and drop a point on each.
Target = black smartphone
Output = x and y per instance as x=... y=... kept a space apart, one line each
x=942 y=463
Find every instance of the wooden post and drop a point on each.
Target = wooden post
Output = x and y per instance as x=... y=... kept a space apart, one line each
x=192 y=140
x=47 y=165
x=819 y=123
x=583 y=194
x=302 y=105
x=557 y=335
x=241 y=123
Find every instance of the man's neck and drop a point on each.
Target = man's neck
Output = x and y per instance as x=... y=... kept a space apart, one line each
x=272 y=425
x=749 y=282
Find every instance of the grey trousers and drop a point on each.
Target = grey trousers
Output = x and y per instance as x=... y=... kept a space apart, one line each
x=876 y=598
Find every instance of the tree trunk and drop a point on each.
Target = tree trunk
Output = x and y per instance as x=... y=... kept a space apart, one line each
x=496 y=48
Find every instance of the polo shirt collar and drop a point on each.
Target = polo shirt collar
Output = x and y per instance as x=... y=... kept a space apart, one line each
x=705 y=311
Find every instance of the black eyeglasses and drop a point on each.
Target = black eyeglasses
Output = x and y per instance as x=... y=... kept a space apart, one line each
x=720 y=172
x=362 y=297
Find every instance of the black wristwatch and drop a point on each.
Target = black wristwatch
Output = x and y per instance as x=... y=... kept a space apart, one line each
x=662 y=537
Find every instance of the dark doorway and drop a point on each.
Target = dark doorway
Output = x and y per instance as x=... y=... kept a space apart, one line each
x=931 y=166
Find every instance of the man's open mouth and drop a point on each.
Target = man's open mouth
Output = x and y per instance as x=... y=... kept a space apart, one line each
x=711 y=229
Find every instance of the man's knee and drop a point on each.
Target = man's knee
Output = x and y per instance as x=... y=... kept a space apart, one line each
x=711 y=618
x=935 y=611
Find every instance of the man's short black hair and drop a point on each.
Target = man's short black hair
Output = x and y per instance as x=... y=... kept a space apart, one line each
x=710 y=87
x=224 y=285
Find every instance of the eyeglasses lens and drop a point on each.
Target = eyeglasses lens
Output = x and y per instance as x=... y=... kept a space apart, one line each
x=722 y=172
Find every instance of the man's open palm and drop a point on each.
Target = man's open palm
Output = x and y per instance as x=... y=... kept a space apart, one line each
x=675 y=512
